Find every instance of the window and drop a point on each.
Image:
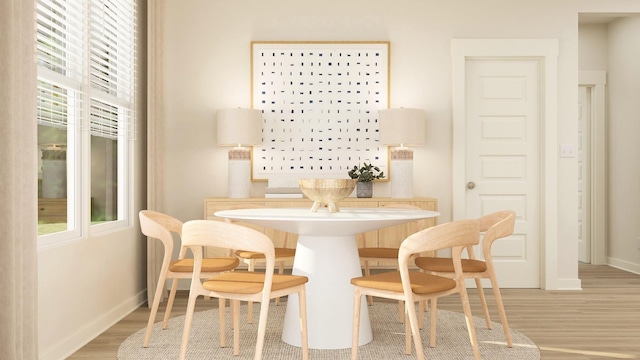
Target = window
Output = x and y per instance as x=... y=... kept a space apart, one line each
x=86 y=55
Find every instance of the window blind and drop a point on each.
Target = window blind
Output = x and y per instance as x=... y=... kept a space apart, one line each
x=52 y=105
x=86 y=53
x=61 y=37
x=112 y=47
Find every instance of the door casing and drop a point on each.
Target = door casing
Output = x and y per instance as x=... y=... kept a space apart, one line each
x=546 y=51
x=597 y=81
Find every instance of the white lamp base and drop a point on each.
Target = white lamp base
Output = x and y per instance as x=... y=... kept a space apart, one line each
x=239 y=186
x=402 y=173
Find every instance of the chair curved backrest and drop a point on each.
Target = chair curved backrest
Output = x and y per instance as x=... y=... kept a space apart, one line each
x=198 y=233
x=168 y=222
x=455 y=235
x=495 y=226
x=159 y=226
x=487 y=225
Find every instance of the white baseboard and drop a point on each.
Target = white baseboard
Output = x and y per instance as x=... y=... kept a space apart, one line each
x=569 y=284
x=89 y=332
x=623 y=265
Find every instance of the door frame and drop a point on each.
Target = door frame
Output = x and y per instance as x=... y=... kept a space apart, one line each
x=597 y=81
x=546 y=51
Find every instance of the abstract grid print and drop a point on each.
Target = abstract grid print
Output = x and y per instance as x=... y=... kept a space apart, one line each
x=320 y=105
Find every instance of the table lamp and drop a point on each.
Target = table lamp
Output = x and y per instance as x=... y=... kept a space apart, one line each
x=399 y=128
x=239 y=127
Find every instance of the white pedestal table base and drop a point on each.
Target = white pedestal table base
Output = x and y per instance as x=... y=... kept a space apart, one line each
x=330 y=262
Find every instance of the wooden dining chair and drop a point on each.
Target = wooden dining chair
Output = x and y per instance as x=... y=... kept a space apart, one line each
x=495 y=226
x=413 y=286
x=161 y=226
x=387 y=254
x=253 y=258
x=240 y=285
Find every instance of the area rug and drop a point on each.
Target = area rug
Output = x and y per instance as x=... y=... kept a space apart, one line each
x=388 y=339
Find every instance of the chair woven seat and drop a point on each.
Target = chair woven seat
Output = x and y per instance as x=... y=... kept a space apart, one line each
x=209 y=265
x=280 y=253
x=421 y=283
x=243 y=282
x=436 y=264
x=380 y=253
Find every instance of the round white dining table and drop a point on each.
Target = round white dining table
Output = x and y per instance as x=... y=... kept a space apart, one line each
x=327 y=254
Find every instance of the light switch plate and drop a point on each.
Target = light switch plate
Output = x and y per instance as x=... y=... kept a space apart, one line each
x=568 y=150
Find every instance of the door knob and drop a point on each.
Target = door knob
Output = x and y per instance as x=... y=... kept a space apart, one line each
x=471 y=185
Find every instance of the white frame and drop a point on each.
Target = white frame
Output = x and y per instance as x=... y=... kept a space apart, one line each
x=597 y=81
x=547 y=51
x=334 y=102
x=79 y=226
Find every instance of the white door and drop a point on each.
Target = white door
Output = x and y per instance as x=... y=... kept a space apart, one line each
x=584 y=225
x=502 y=159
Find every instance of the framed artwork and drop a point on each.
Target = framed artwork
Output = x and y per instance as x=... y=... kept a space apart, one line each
x=320 y=103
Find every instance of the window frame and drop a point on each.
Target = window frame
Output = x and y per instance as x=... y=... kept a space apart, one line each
x=121 y=95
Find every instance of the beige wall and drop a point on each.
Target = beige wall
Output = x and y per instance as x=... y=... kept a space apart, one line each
x=207 y=68
x=593 y=47
x=623 y=130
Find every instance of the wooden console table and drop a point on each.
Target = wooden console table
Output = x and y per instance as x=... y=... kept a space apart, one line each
x=386 y=237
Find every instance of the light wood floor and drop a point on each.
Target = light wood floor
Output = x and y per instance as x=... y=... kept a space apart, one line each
x=600 y=322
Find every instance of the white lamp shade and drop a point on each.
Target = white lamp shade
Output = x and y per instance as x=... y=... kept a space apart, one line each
x=237 y=127
x=402 y=126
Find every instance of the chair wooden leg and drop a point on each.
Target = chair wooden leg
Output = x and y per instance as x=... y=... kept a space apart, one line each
x=469 y=320
x=401 y=309
x=191 y=305
x=356 y=324
x=302 y=298
x=434 y=320
x=415 y=332
x=483 y=302
x=503 y=314
x=236 y=327
x=407 y=335
x=281 y=272
x=262 y=328
x=367 y=272
x=154 y=308
x=252 y=265
x=221 y=320
x=421 y=311
x=424 y=307
x=172 y=296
